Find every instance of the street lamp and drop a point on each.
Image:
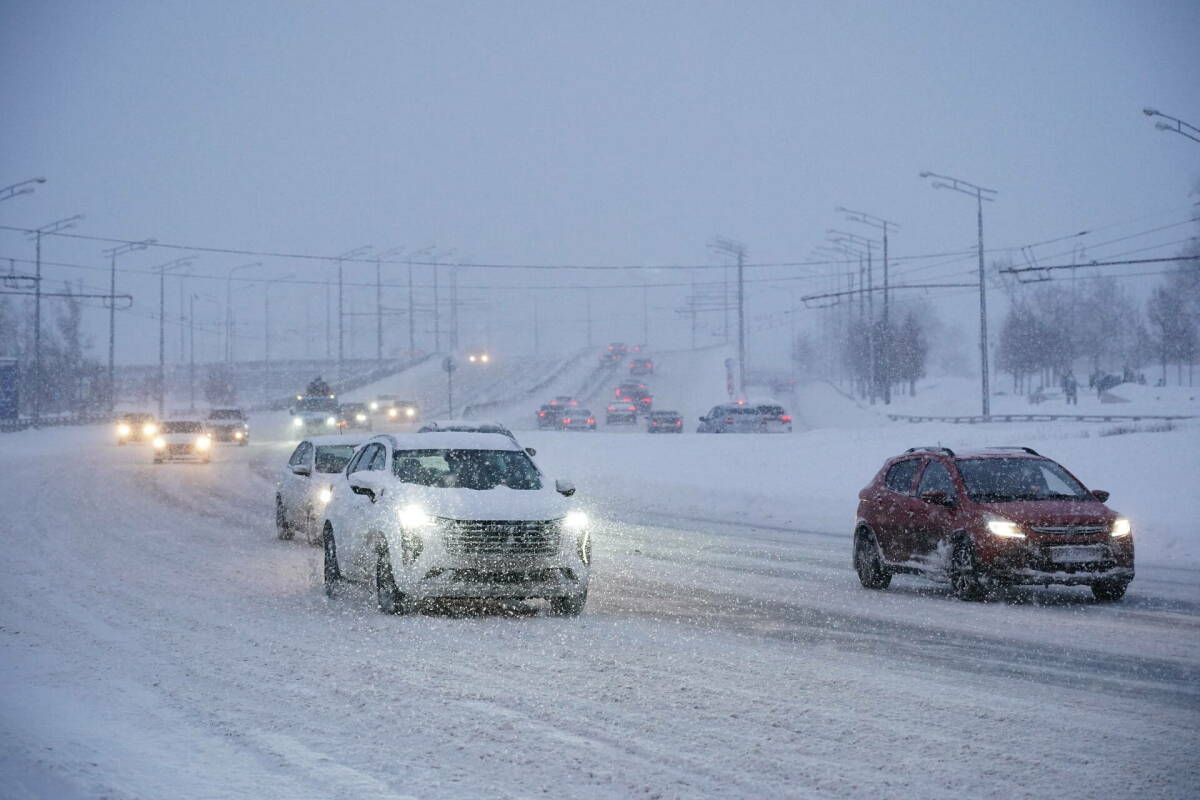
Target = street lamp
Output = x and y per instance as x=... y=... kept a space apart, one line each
x=112 y=254
x=163 y=269
x=412 y=315
x=855 y=244
x=379 y=257
x=730 y=247
x=980 y=194
x=1178 y=127
x=23 y=187
x=192 y=298
x=883 y=225
x=53 y=227
x=229 y=326
x=437 y=306
x=355 y=253
x=267 y=336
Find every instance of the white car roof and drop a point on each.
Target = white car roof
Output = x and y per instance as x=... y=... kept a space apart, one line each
x=463 y=424
x=437 y=440
x=335 y=438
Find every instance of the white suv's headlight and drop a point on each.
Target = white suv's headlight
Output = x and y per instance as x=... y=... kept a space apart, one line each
x=123 y=430
x=331 y=421
x=411 y=412
x=1120 y=527
x=297 y=422
x=203 y=442
x=998 y=526
x=360 y=417
x=159 y=443
x=575 y=521
x=413 y=517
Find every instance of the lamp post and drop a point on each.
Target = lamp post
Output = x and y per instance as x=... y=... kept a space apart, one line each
x=379 y=257
x=849 y=241
x=412 y=315
x=229 y=323
x=355 y=253
x=437 y=306
x=163 y=269
x=980 y=194
x=267 y=337
x=192 y=298
x=1178 y=125
x=737 y=249
x=53 y=227
x=883 y=225
x=112 y=254
x=22 y=187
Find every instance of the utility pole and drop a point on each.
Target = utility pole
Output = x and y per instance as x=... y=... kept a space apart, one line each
x=53 y=227
x=355 y=253
x=454 y=308
x=847 y=242
x=587 y=296
x=162 y=331
x=112 y=253
x=379 y=300
x=230 y=356
x=192 y=352
x=267 y=337
x=885 y=226
x=737 y=249
x=980 y=194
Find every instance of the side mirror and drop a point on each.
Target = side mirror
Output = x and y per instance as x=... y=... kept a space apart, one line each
x=1100 y=495
x=704 y=419
x=531 y=452
x=936 y=497
x=565 y=488
x=301 y=469
x=365 y=482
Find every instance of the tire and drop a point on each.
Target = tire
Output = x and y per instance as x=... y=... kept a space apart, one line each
x=243 y=442
x=570 y=606
x=330 y=572
x=965 y=578
x=282 y=529
x=1109 y=591
x=872 y=572
x=388 y=596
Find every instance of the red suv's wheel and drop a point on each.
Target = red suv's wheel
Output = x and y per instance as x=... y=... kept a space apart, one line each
x=868 y=563
x=965 y=577
x=1109 y=591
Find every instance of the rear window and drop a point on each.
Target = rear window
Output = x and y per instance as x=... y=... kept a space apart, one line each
x=226 y=413
x=182 y=427
x=333 y=457
x=317 y=404
x=900 y=476
x=771 y=411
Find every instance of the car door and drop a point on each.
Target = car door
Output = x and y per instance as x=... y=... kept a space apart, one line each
x=933 y=521
x=294 y=487
x=891 y=507
x=342 y=511
x=364 y=509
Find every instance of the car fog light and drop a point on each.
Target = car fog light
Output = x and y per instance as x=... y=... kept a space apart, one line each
x=159 y=443
x=575 y=520
x=325 y=495
x=1004 y=528
x=1120 y=527
x=297 y=422
x=414 y=517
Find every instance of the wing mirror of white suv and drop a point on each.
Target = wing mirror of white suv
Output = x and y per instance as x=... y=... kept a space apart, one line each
x=368 y=483
x=565 y=488
x=531 y=452
x=301 y=469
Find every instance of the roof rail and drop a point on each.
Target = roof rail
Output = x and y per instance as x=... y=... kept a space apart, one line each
x=1022 y=448
x=934 y=448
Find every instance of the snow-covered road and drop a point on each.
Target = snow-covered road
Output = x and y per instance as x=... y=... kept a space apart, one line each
x=158 y=641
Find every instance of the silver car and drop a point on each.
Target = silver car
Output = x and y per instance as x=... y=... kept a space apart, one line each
x=304 y=485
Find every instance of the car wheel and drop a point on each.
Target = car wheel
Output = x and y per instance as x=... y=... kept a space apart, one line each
x=282 y=529
x=243 y=442
x=967 y=582
x=868 y=563
x=1109 y=591
x=570 y=606
x=330 y=573
x=388 y=596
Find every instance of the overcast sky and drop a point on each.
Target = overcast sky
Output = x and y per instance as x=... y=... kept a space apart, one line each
x=581 y=133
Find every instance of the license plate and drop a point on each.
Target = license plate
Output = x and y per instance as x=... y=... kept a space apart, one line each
x=1078 y=555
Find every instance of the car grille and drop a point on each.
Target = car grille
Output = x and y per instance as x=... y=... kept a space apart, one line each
x=179 y=448
x=1070 y=530
x=501 y=538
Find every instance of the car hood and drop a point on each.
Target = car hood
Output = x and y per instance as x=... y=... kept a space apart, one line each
x=500 y=503
x=181 y=438
x=1052 y=512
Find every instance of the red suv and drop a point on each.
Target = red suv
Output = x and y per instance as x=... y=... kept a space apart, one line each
x=982 y=519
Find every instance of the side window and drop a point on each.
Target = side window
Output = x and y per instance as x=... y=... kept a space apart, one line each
x=936 y=478
x=378 y=459
x=900 y=477
x=298 y=454
x=353 y=466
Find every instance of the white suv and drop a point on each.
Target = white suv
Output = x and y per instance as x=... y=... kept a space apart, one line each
x=455 y=515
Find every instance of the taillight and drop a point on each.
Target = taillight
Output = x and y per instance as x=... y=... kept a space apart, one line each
x=729 y=420
x=679 y=422
x=785 y=418
x=567 y=420
x=591 y=420
x=646 y=399
x=541 y=413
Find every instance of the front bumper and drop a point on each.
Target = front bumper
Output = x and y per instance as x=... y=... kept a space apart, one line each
x=1035 y=562
x=229 y=434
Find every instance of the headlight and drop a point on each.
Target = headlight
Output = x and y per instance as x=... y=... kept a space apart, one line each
x=123 y=430
x=203 y=442
x=159 y=443
x=997 y=526
x=484 y=358
x=297 y=422
x=575 y=520
x=325 y=495
x=149 y=429
x=392 y=412
x=412 y=412
x=413 y=517
x=1120 y=527
x=374 y=406
x=331 y=421
x=238 y=434
x=360 y=417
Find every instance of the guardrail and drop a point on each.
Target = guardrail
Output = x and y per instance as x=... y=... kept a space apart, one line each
x=13 y=425
x=977 y=419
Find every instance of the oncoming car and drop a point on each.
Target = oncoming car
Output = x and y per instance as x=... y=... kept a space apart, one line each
x=315 y=414
x=455 y=515
x=229 y=425
x=136 y=427
x=304 y=484
x=178 y=439
x=983 y=519
x=391 y=409
x=354 y=415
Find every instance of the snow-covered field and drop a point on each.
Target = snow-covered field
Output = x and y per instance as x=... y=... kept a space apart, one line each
x=157 y=640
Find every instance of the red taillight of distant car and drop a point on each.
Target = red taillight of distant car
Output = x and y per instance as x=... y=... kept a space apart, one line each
x=566 y=420
x=591 y=420
x=679 y=422
x=785 y=418
x=541 y=413
x=729 y=420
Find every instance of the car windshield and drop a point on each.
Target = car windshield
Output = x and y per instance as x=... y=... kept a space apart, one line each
x=466 y=469
x=353 y=408
x=999 y=480
x=226 y=413
x=182 y=427
x=333 y=457
x=138 y=418
x=316 y=404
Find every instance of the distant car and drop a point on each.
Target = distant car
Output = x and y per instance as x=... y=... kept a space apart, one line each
x=621 y=412
x=136 y=427
x=641 y=366
x=354 y=416
x=773 y=419
x=564 y=400
x=479 y=357
x=550 y=416
x=229 y=425
x=730 y=418
x=579 y=419
x=182 y=439
x=315 y=414
x=637 y=393
x=470 y=426
x=664 y=422
x=303 y=487
x=449 y=515
x=394 y=410
x=615 y=352
x=986 y=518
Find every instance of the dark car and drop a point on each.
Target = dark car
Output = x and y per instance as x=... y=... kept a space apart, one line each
x=730 y=418
x=578 y=419
x=354 y=416
x=664 y=422
x=641 y=366
x=136 y=427
x=984 y=519
x=228 y=425
x=550 y=416
x=773 y=419
x=637 y=393
x=615 y=352
x=621 y=412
